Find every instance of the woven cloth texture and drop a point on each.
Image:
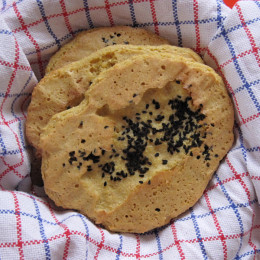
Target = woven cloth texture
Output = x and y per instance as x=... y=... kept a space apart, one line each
x=224 y=224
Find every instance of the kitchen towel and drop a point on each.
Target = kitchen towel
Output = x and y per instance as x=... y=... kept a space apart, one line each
x=224 y=223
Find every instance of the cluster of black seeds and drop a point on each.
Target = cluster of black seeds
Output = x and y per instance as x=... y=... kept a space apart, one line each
x=111 y=39
x=182 y=125
x=77 y=158
x=180 y=131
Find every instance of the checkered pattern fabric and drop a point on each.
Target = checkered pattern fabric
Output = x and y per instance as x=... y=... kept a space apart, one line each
x=225 y=223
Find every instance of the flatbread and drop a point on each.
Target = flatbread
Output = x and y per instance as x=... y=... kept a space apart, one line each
x=142 y=146
x=90 y=41
x=65 y=88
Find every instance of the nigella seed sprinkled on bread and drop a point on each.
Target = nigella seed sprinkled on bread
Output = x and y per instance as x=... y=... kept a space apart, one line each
x=159 y=118
x=137 y=132
x=156 y=104
x=164 y=162
x=80 y=124
x=104 y=40
x=72 y=153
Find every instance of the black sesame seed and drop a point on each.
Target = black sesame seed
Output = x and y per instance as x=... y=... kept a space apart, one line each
x=118 y=35
x=164 y=162
x=159 y=118
x=134 y=95
x=157 y=154
x=83 y=141
x=216 y=155
x=147 y=106
x=157 y=142
x=72 y=153
x=106 y=126
x=150 y=113
x=212 y=124
x=178 y=82
x=149 y=182
x=198 y=157
x=81 y=124
x=68 y=107
x=157 y=209
x=191 y=153
x=141 y=182
x=156 y=104
x=105 y=184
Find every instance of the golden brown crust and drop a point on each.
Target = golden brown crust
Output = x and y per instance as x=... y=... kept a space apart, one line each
x=175 y=179
x=90 y=41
